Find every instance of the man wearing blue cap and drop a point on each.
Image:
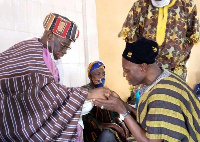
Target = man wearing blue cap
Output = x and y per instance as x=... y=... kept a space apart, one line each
x=168 y=110
x=98 y=122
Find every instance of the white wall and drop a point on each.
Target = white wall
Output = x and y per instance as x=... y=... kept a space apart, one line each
x=22 y=19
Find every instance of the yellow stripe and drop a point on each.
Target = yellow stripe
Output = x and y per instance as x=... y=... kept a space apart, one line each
x=173 y=100
x=102 y=66
x=193 y=97
x=194 y=113
x=166 y=112
x=162 y=23
x=90 y=66
x=161 y=27
x=157 y=97
x=159 y=136
x=182 y=84
x=183 y=108
x=169 y=126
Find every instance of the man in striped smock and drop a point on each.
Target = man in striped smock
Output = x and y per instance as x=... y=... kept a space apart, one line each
x=33 y=105
x=167 y=109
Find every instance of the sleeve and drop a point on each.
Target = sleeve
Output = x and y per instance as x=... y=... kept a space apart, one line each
x=38 y=109
x=164 y=119
x=193 y=34
x=131 y=24
x=62 y=107
x=71 y=99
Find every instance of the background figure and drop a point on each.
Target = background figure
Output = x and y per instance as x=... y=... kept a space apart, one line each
x=197 y=90
x=34 y=106
x=97 y=122
x=168 y=110
x=172 y=23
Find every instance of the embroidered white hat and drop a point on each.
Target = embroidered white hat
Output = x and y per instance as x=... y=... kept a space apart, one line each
x=160 y=3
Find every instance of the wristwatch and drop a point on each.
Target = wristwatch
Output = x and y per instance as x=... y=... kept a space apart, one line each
x=122 y=116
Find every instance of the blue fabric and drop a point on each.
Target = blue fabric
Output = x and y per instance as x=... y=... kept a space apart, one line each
x=137 y=99
x=101 y=83
x=96 y=65
x=197 y=90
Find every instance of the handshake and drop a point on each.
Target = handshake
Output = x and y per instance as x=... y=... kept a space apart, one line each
x=100 y=93
x=105 y=98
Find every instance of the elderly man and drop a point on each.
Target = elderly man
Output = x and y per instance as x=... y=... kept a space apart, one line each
x=167 y=109
x=34 y=107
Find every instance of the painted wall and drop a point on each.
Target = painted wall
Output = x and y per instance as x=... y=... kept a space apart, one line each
x=193 y=64
x=110 y=17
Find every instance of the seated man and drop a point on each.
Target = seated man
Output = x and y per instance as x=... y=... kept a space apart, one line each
x=96 y=123
x=168 y=110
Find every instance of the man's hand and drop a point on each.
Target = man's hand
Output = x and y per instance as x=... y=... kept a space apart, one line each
x=114 y=103
x=99 y=93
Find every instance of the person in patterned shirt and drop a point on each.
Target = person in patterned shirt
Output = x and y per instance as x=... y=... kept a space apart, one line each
x=173 y=24
x=168 y=110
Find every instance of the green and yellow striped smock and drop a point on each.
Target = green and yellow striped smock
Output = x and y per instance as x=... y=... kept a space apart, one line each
x=169 y=110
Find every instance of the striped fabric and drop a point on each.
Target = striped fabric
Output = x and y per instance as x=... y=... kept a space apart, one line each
x=32 y=106
x=170 y=111
x=61 y=26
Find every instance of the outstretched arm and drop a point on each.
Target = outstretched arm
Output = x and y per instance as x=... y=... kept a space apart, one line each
x=116 y=104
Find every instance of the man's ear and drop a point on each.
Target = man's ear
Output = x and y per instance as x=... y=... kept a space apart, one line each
x=49 y=35
x=143 y=67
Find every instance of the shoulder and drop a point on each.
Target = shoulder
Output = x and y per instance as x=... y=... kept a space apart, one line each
x=189 y=4
x=23 y=47
x=87 y=86
x=141 y=4
x=28 y=44
x=22 y=58
x=172 y=88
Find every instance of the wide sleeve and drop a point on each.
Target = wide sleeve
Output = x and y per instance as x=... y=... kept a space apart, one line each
x=193 y=34
x=35 y=108
x=63 y=104
x=165 y=115
x=131 y=24
x=164 y=122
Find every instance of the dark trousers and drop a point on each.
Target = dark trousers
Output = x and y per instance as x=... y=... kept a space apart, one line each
x=106 y=136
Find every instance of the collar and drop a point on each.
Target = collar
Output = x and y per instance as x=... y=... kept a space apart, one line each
x=164 y=74
x=161 y=3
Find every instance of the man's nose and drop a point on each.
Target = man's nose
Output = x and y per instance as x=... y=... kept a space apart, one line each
x=64 y=51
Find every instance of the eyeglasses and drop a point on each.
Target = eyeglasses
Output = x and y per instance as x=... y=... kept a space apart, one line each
x=64 y=46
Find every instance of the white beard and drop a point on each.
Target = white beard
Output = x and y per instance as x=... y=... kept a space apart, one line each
x=161 y=3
